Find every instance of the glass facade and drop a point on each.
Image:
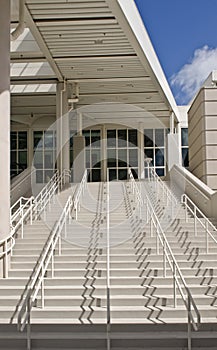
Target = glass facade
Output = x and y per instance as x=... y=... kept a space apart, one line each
x=93 y=154
x=155 y=148
x=19 y=152
x=122 y=153
x=184 y=147
x=44 y=160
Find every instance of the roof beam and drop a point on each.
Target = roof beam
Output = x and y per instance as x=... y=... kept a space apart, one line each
x=41 y=43
x=106 y=80
x=31 y=80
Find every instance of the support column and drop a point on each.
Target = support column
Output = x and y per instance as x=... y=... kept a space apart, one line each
x=79 y=151
x=4 y=132
x=104 y=154
x=30 y=147
x=62 y=122
x=173 y=146
x=141 y=151
x=5 y=119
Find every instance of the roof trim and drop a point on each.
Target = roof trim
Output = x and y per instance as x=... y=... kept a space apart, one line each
x=143 y=46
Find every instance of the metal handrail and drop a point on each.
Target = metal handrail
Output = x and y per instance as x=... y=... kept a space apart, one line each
x=78 y=194
x=166 y=191
x=36 y=282
x=28 y=208
x=176 y=272
x=194 y=210
x=108 y=250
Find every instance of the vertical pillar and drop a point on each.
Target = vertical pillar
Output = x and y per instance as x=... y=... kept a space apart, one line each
x=5 y=119
x=141 y=151
x=62 y=123
x=172 y=123
x=30 y=147
x=104 y=154
x=79 y=151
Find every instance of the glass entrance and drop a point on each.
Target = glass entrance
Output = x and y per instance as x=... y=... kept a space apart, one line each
x=122 y=153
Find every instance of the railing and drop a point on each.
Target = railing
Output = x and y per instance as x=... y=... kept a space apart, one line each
x=108 y=262
x=159 y=184
x=199 y=218
x=36 y=281
x=28 y=209
x=79 y=193
x=178 y=279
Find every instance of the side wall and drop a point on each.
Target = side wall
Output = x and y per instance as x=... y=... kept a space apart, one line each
x=202 y=119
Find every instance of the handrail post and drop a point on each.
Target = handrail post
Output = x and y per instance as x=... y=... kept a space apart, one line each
x=164 y=259
x=195 y=221
x=108 y=256
x=189 y=323
x=207 y=238
x=42 y=290
x=28 y=323
x=174 y=285
x=22 y=223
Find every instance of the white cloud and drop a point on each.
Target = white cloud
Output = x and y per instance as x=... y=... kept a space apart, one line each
x=191 y=76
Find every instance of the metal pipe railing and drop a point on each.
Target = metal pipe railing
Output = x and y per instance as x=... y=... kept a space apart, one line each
x=79 y=193
x=36 y=281
x=28 y=209
x=198 y=216
x=108 y=262
x=178 y=279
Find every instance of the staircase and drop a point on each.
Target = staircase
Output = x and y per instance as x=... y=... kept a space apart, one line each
x=141 y=313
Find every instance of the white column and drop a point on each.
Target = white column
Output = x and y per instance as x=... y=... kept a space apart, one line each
x=62 y=127
x=30 y=147
x=141 y=151
x=104 y=153
x=5 y=119
x=172 y=123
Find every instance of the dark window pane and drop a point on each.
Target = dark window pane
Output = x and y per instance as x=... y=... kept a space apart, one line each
x=159 y=157
x=22 y=159
x=122 y=138
x=86 y=134
x=13 y=159
x=38 y=139
x=159 y=137
x=122 y=174
x=96 y=175
x=95 y=138
x=122 y=157
x=160 y=171
x=148 y=138
x=48 y=139
x=132 y=138
x=149 y=154
x=95 y=155
x=112 y=174
x=185 y=159
x=71 y=158
x=111 y=138
x=133 y=157
x=184 y=137
x=13 y=140
x=111 y=158
x=88 y=159
x=22 y=140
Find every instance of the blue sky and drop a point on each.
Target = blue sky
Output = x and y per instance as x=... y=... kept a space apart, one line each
x=184 y=35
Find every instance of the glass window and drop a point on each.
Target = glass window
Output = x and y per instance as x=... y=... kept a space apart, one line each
x=22 y=140
x=148 y=138
x=111 y=158
x=13 y=140
x=111 y=138
x=159 y=157
x=122 y=174
x=38 y=139
x=22 y=158
x=184 y=137
x=48 y=139
x=122 y=157
x=122 y=138
x=95 y=138
x=112 y=174
x=132 y=138
x=159 y=137
x=133 y=157
x=185 y=157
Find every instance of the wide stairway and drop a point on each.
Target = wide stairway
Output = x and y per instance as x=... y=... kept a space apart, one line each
x=109 y=285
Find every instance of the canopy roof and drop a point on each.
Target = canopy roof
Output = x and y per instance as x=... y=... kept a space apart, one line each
x=100 y=45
